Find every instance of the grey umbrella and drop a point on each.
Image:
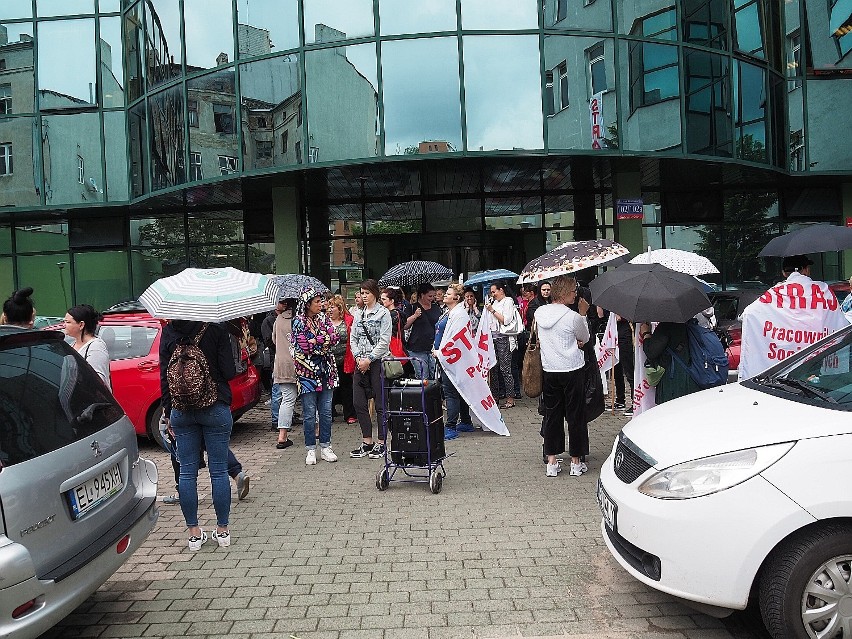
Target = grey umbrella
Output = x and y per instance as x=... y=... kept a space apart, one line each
x=649 y=293
x=414 y=273
x=291 y=285
x=816 y=238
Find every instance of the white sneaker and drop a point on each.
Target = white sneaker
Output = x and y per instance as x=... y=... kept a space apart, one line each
x=195 y=543
x=224 y=538
x=583 y=467
x=576 y=469
x=328 y=455
x=553 y=470
x=311 y=459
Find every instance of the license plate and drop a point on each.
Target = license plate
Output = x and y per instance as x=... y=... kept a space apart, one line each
x=95 y=491
x=608 y=508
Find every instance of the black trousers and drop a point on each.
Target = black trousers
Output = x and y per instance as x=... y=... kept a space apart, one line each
x=367 y=386
x=564 y=401
x=343 y=393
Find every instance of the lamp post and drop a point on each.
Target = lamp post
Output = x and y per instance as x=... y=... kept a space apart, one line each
x=61 y=266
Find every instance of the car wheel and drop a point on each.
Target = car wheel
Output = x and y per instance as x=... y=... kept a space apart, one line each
x=806 y=588
x=154 y=426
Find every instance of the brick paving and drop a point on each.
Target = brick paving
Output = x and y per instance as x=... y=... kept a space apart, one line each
x=318 y=552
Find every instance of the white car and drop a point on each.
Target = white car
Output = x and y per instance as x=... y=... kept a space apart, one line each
x=744 y=491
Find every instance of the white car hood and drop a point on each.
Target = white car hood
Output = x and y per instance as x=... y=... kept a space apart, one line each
x=728 y=418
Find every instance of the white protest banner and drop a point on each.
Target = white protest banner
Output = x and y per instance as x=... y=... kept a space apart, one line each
x=608 y=345
x=466 y=358
x=596 y=119
x=785 y=319
x=644 y=395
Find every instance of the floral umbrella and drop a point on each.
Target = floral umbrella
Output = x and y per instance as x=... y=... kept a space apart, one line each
x=571 y=257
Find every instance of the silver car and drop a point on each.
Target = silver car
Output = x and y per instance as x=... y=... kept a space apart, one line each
x=75 y=497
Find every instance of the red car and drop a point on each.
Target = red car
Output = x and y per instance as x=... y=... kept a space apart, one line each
x=133 y=342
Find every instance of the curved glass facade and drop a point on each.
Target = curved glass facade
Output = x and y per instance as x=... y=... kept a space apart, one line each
x=142 y=108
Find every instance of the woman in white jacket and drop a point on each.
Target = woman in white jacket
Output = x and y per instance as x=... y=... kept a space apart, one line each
x=562 y=333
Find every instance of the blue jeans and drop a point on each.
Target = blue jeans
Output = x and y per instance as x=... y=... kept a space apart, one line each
x=424 y=364
x=458 y=412
x=210 y=427
x=313 y=405
x=275 y=403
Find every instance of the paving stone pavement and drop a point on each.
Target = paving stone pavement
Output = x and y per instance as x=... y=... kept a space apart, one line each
x=319 y=552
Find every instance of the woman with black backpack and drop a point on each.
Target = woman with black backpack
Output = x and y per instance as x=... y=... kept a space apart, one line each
x=196 y=363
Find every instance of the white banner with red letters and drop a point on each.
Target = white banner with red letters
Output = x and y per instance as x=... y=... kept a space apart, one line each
x=785 y=319
x=644 y=395
x=606 y=349
x=466 y=358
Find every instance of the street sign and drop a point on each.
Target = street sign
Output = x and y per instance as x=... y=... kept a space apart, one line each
x=629 y=209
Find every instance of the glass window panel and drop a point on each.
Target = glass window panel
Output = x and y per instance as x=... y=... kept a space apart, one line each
x=102 y=279
x=115 y=137
x=109 y=6
x=50 y=278
x=342 y=112
x=422 y=116
x=582 y=14
x=91 y=232
x=347 y=253
x=557 y=237
x=499 y=14
x=14 y=9
x=825 y=120
x=404 y=16
x=66 y=81
x=5 y=239
x=261 y=257
x=71 y=154
x=264 y=26
x=502 y=92
x=149 y=265
x=37 y=238
x=209 y=30
x=393 y=218
x=453 y=215
x=218 y=256
x=513 y=213
x=571 y=128
x=749 y=30
x=216 y=226
x=272 y=103
x=139 y=155
x=332 y=20
x=705 y=22
x=749 y=118
x=159 y=231
x=213 y=135
x=49 y=8
x=559 y=211
x=112 y=64
x=20 y=165
x=167 y=138
x=134 y=45
x=162 y=44
x=7 y=274
x=709 y=128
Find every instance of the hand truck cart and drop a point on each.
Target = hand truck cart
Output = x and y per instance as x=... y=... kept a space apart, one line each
x=413 y=428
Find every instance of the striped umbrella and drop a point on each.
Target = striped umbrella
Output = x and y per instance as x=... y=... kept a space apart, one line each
x=210 y=295
x=414 y=273
x=291 y=285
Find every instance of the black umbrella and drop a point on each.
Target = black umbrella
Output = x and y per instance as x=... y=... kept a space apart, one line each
x=649 y=293
x=817 y=238
x=414 y=273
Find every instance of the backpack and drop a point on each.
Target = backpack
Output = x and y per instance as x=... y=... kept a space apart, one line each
x=188 y=374
x=708 y=364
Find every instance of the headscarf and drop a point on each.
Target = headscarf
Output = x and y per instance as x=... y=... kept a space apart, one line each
x=307 y=295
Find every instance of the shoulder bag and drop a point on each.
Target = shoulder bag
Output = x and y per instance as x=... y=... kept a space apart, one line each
x=532 y=372
x=515 y=327
x=392 y=368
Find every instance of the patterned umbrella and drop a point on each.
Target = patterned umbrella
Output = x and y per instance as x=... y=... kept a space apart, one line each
x=677 y=260
x=571 y=257
x=291 y=285
x=414 y=273
x=486 y=277
x=209 y=295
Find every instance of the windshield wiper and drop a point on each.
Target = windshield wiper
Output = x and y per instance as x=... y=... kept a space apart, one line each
x=786 y=382
x=88 y=414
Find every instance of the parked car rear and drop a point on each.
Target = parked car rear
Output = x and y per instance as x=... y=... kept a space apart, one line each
x=75 y=497
x=133 y=342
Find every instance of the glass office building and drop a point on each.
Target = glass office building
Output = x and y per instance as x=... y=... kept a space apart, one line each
x=342 y=136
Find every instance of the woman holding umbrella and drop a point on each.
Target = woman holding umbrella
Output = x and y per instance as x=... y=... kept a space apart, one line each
x=313 y=338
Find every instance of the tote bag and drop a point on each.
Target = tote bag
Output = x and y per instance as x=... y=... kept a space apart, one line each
x=531 y=375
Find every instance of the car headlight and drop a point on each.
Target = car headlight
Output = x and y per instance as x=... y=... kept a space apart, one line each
x=711 y=474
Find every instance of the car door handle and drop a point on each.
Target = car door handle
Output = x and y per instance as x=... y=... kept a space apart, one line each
x=148 y=365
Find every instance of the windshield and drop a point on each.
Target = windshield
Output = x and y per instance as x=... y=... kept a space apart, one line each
x=825 y=372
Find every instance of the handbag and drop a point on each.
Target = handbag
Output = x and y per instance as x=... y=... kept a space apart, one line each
x=391 y=368
x=395 y=346
x=513 y=328
x=654 y=374
x=532 y=372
